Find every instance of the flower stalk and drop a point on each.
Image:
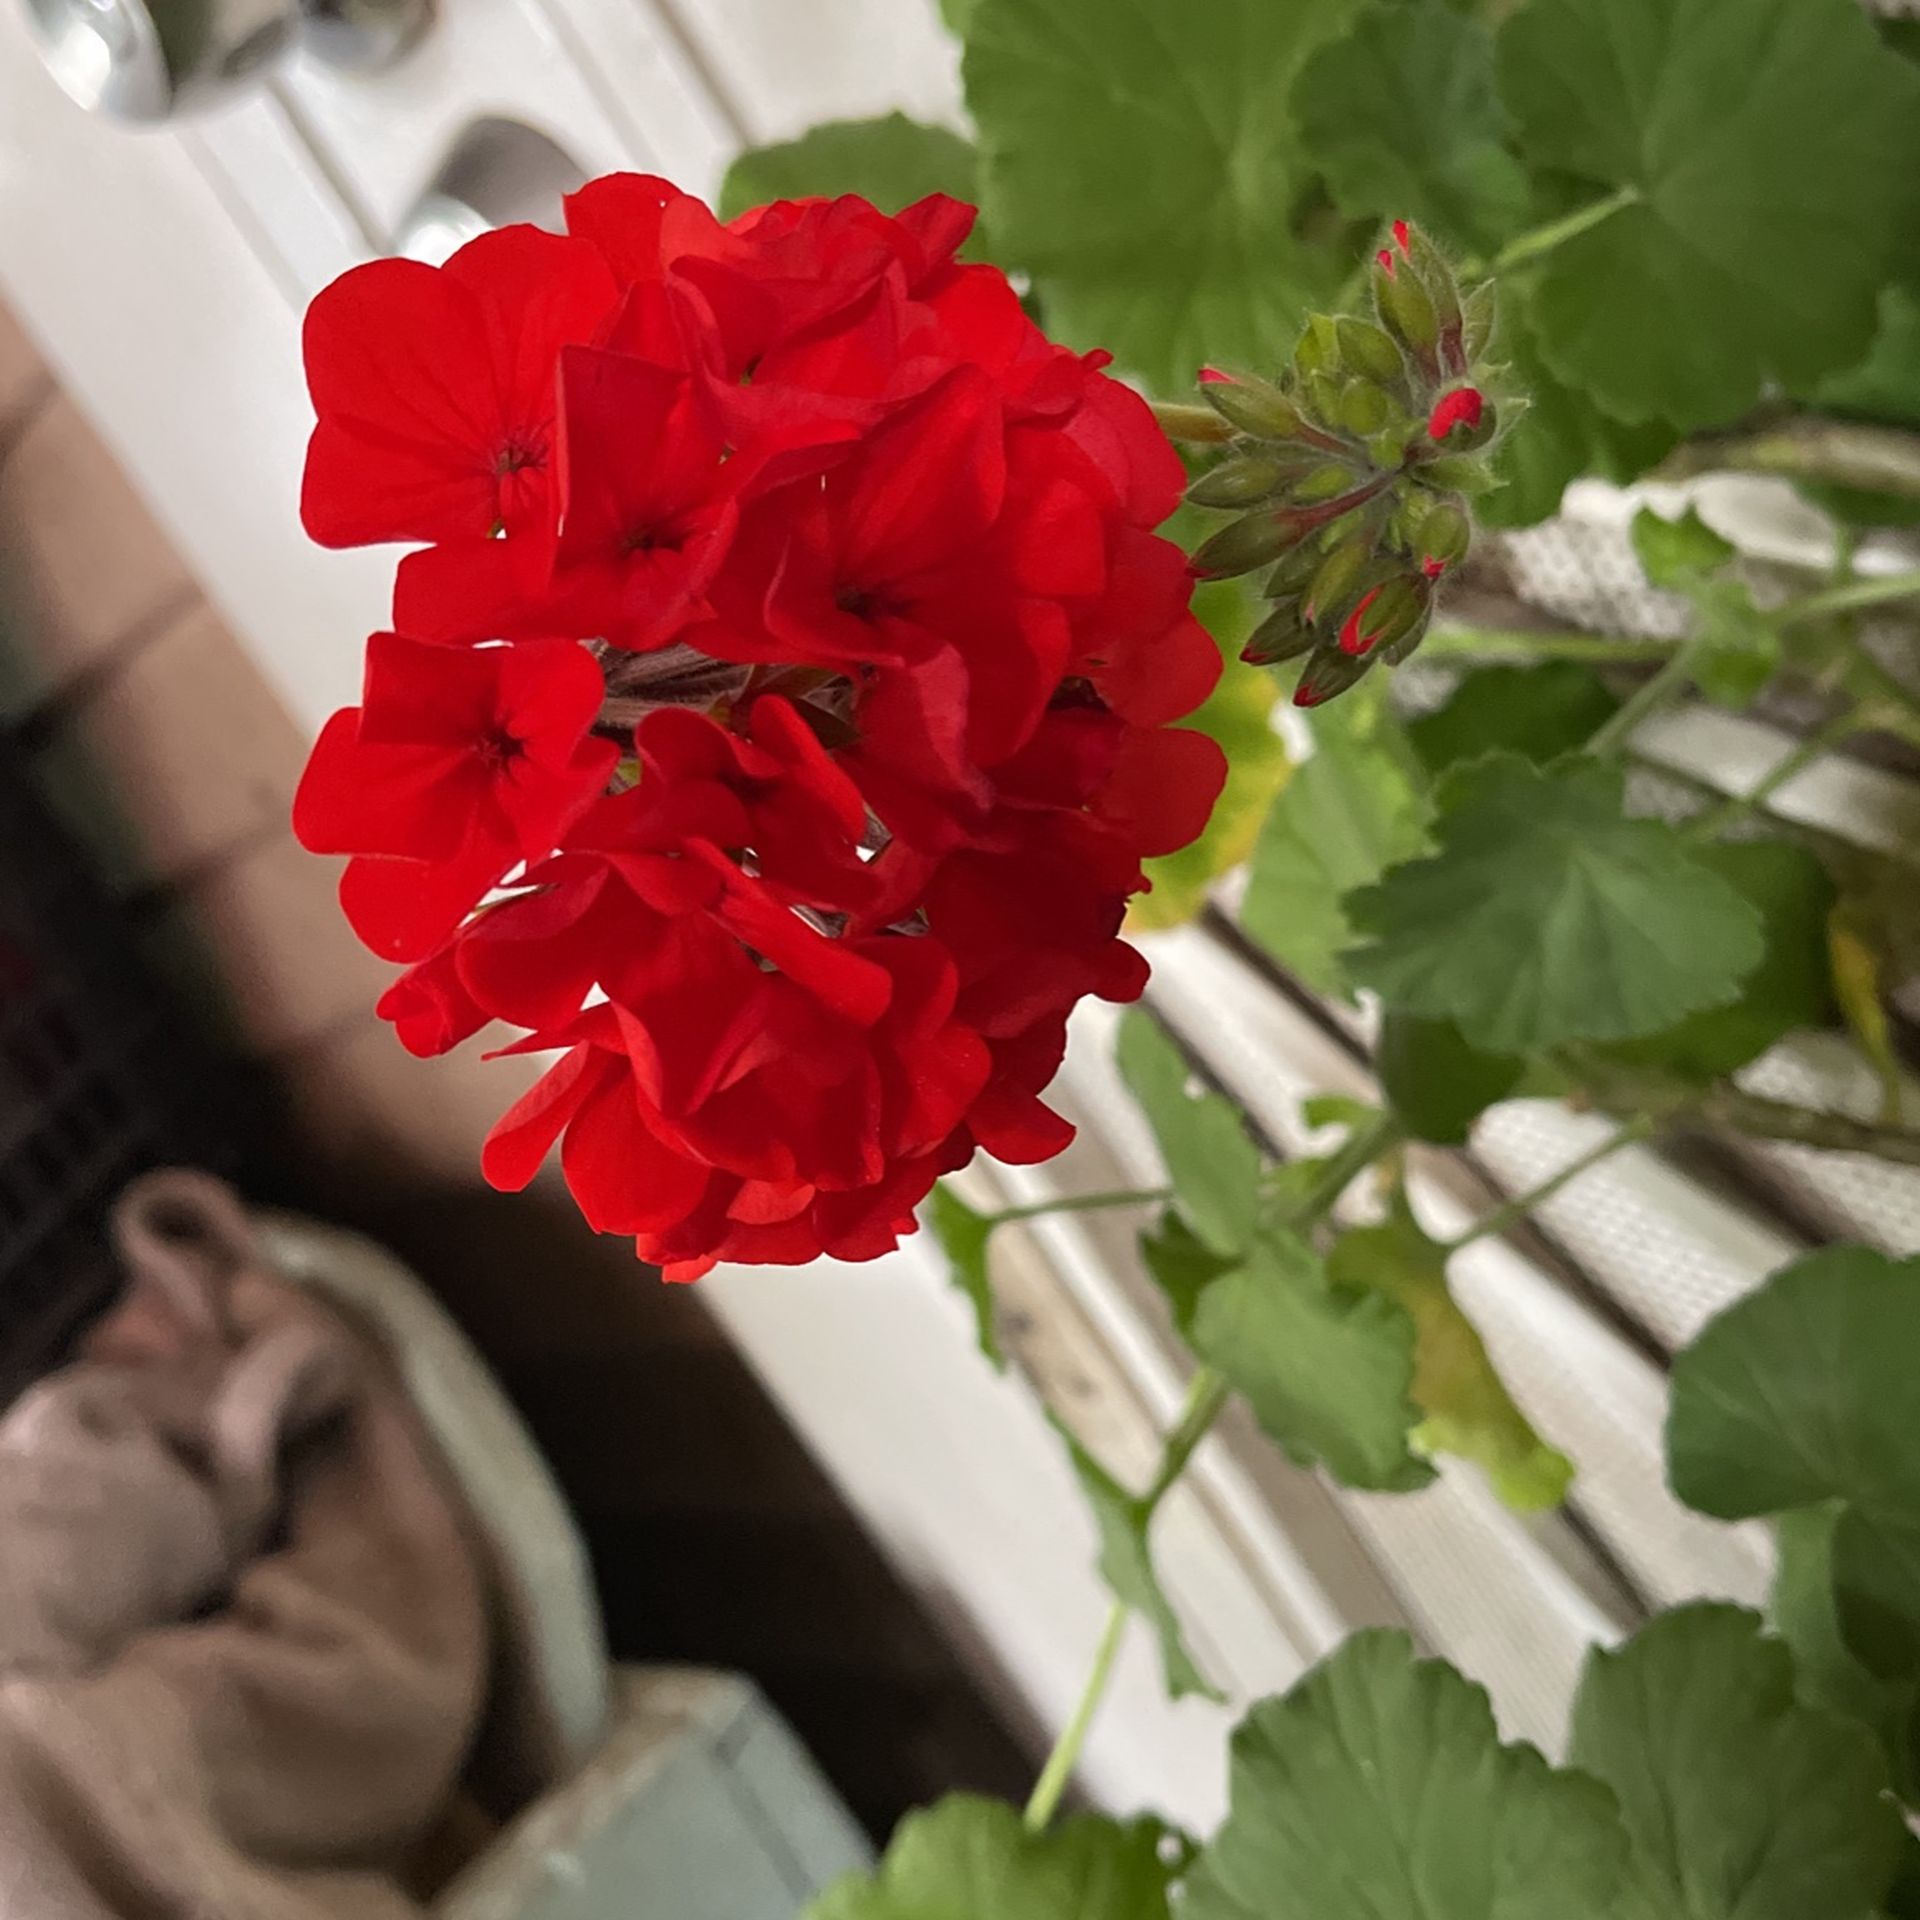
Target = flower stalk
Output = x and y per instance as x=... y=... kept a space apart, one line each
x=1207 y=1394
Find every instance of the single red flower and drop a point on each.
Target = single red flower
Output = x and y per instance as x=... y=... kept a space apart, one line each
x=435 y=388
x=459 y=762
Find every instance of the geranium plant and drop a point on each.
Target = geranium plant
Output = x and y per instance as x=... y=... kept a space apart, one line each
x=802 y=672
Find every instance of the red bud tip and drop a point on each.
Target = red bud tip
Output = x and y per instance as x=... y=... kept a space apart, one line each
x=1352 y=640
x=1305 y=696
x=1386 y=262
x=1400 y=235
x=1462 y=407
x=1433 y=569
x=1213 y=377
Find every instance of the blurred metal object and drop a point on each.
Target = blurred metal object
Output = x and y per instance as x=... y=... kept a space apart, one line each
x=498 y=172
x=144 y=61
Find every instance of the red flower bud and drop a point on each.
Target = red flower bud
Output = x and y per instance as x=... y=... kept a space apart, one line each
x=1385 y=259
x=1400 y=235
x=1433 y=569
x=1460 y=408
x=1213 y=377
x=1352 y=639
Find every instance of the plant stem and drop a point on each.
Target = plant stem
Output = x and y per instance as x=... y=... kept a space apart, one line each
x=1651 y=694
x=1206 y=1394
x=1184 y=420
x=1556 y=233
x=1361 y=1148
x=1511 y=1212
x=1591 y=649
x=1082 y=1203
x=1843 y=725
x=1065 y=1756
x=1849 y=597
x=1617 y=649
x=1764 y=1119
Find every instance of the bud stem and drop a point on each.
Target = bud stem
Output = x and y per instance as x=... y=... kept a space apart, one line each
x=1180 y=421
x=1556 y=233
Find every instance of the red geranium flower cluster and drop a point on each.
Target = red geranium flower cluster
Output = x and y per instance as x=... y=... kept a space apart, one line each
x=776 y=717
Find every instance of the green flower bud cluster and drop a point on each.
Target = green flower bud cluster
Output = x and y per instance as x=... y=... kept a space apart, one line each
x=1348 y=474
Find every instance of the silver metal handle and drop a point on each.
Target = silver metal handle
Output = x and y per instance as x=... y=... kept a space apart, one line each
x=152 y=60
x=498 y=172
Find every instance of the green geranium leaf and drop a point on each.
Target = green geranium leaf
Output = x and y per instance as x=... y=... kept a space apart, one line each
x=1238 y=714
x=1741 y=1803
x=1805 y=1613
x=1562 y=434
x=1337 y=1110
x=1538 y=712
x=1548 y=447
x=1547 y=915
x=1791 y=988
x=1765 y=214
x=957 y=13
x=1348 y=814
x=892 y=161
x=1181 y=1265
x=963 y=1234
x=1328 y=1371
x=1437 y=1084
x=1378 y=1790
x=967 y=1858
x=1215 y=1168
x=1803 y=1393
x=1126 y=1565
x=1885 y=386
x=1678 y=554
x=1145 y=169
x=1468 y=1410
x=1401 y=116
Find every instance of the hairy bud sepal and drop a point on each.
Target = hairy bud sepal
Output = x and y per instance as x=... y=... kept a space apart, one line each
x=1352 y=468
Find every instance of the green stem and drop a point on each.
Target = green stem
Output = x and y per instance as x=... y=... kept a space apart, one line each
x=1082 y=1203
x=1648 y=697
x=1206 y=1395
x=1183 y=420
x=1849 y=597
x=1556 y=233
x=1591 y=649
x=1361 y=1148
x=1764 y=1119
x=1065 y=1756
x=1511 y=1212
x=1843 y=725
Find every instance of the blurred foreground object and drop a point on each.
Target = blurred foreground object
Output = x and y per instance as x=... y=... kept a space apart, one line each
x=243 y=1639
x=293 y=1619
